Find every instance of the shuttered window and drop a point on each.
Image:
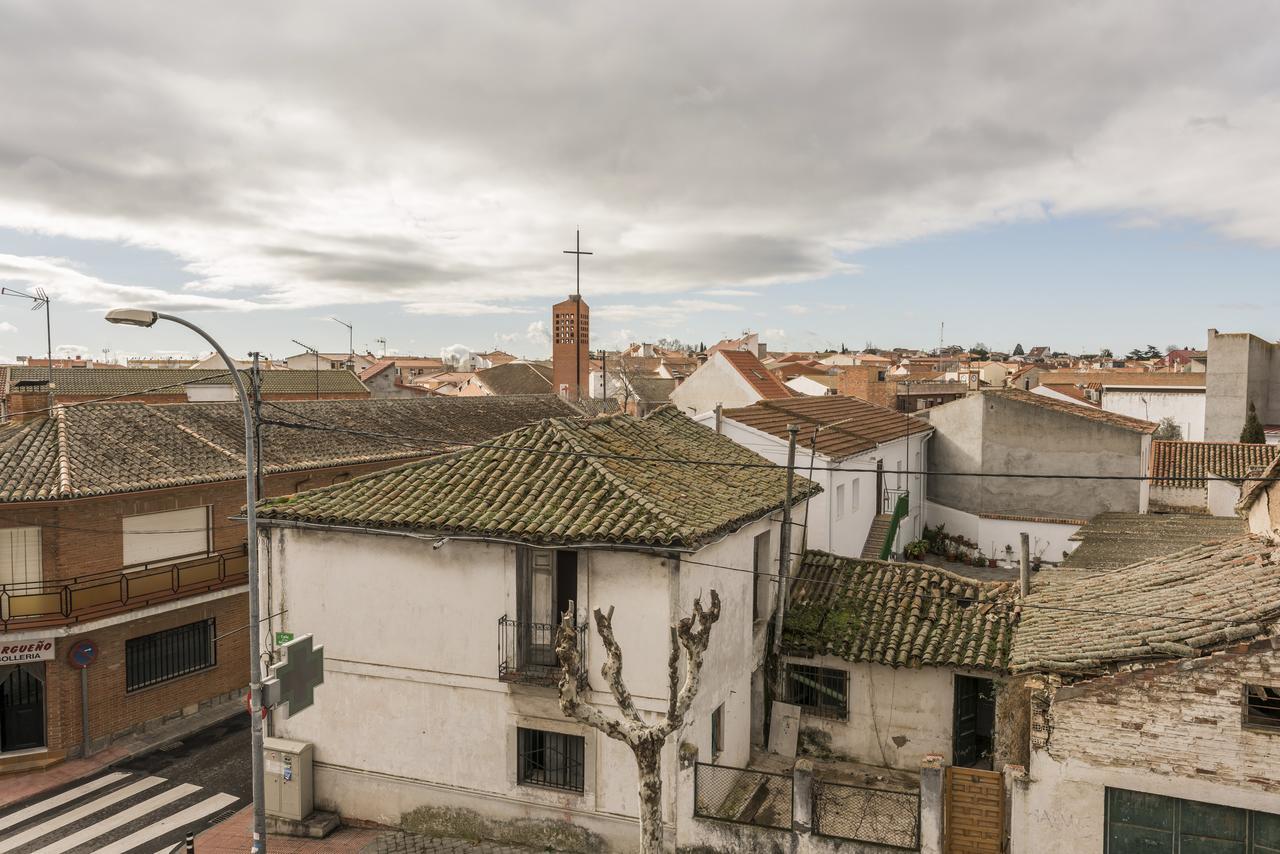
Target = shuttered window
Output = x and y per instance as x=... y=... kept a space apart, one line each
x=19 y=555
x=152 y=537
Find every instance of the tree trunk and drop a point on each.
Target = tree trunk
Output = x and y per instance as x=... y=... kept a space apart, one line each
x=649 y=762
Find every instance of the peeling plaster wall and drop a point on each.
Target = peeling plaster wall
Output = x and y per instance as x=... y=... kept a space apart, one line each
x=1175 y=729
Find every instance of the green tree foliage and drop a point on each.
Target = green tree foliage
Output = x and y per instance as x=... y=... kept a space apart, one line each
x=1252 y=433
x=1018 y=351
x=1168 y=429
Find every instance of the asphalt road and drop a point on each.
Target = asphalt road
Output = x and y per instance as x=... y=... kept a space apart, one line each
x=143 y=805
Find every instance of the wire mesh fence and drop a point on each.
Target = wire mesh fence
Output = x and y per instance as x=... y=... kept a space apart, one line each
x=862 y=814
x=743 y=796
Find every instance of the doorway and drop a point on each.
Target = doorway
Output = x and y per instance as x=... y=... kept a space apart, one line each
x=548 y=584
x=21 y=707
x=973 y=731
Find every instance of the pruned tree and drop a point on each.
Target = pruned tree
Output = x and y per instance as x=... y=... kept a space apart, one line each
x=692 y=634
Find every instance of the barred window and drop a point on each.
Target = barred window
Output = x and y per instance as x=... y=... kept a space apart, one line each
x=821 y=691
x=1262 y=706
x=550 y=759
x=159 y=657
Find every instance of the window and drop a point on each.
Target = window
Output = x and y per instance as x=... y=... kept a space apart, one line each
x=821 y=691
x=855 y=492
x=166 y=655
x=840 y=501
x=717 y=732
x=898 y=474
x=152 y=537
x=550 y=759
x=1262 y=706
x=19 y=555
x=1138 y=822
x=760 y=567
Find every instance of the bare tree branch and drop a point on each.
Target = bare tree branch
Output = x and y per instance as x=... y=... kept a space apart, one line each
x=611 y=670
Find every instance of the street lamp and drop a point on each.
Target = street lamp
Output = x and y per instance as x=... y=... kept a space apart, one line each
x=144 y=318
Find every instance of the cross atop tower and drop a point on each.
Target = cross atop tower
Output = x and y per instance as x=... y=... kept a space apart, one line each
x=577 y=253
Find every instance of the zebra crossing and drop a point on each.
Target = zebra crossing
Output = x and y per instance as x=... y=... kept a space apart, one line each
x=116 y=813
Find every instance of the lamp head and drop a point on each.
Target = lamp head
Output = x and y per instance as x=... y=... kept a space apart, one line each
x=132 y=316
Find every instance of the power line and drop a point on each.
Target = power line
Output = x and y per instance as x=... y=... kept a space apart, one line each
x=460 y=444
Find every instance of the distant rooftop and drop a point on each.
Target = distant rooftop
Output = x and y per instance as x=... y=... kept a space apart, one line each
x=1111 y=540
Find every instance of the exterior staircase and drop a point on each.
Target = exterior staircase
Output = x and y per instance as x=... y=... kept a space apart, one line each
x=880 y=527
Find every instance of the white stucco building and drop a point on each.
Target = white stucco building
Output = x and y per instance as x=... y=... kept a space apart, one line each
x=408 y=578
x=864 y=456
x=728 y=378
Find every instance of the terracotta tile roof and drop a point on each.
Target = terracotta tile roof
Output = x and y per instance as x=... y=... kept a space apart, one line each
x=1231 y=460
x=1114 y=378
x=562 y=482
x=1123 y=421
x=846 y=425
x=516 y=378
x=100 y=383
x=1113 y=540
x=902 y=615
x=652 y=389
x=754 y=372
x=1180 y=605
x=103 y=448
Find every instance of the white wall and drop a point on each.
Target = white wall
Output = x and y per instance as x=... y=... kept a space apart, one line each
x=1222 y=496
x=807 y=385
x=412 y=712
x=1048 y=539
x=715 y=381
x=1185 y=406
x=912 y=705
x=833 y=523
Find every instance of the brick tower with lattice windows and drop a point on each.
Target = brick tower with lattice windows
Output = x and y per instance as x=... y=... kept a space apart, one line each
x=570 y=342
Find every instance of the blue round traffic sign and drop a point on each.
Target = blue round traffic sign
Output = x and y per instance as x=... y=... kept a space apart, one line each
x=82 y=653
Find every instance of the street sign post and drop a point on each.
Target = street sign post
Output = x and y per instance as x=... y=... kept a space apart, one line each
x=293 y=681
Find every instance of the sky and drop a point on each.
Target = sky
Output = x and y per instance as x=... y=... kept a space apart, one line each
x=1078 y=175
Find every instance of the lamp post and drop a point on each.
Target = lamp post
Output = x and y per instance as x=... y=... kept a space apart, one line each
x=144 y=318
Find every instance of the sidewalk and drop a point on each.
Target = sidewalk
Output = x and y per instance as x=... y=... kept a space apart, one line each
x=234 y=835
x=20 y=786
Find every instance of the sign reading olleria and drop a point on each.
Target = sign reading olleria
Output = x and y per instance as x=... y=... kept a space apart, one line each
x=294 y=679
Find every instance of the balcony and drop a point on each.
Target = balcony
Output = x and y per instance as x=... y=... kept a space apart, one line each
x=889 y=499
x=527 y=652
x=38 y=604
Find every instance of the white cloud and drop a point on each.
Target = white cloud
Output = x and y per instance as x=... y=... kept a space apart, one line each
x=796 y=309
x=6 y=326
x=462 y=159
x=537 y=334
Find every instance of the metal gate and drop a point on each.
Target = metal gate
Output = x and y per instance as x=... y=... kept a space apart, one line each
x=974 y=811
x=22 y=707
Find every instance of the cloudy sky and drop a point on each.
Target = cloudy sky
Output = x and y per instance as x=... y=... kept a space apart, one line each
x=1074 y=174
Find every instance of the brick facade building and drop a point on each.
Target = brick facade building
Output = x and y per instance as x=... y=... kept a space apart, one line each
x=570 y=347
x=116 y=528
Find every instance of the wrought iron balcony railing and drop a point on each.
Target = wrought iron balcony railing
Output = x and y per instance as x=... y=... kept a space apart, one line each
x=527 y=651
x=36 y=604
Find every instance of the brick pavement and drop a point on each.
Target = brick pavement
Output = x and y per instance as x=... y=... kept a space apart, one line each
x=233 y=837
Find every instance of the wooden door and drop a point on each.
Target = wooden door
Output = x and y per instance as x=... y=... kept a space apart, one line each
x=974 y=811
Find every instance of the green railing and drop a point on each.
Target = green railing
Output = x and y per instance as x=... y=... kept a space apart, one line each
x=900 y=510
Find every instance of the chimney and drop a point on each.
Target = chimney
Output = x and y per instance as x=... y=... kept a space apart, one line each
x=29 y=401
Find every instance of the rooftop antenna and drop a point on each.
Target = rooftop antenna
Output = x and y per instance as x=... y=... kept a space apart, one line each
x=39 y=300
x=313 y=351
x=351 y=347
x=383 y=342
x=577 y=254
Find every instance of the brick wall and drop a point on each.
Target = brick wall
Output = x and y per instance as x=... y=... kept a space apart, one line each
x=862 y=381
x=113 y=711
x=1181 y=719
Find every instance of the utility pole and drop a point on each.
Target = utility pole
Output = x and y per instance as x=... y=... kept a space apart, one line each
x=784 y=546
x=1024 y=565
x=255 y=386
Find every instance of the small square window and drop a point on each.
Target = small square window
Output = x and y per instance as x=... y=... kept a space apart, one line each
x=717 y=732
x=1262 y=706
x=821 y=691
x=553 y=760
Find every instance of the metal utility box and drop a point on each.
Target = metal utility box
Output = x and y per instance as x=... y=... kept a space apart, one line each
x=287 y=778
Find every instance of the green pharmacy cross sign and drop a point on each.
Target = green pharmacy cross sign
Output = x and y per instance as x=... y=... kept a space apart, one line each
x=294 y=679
